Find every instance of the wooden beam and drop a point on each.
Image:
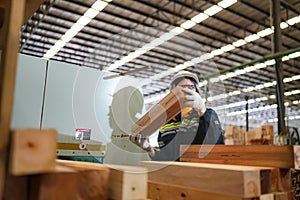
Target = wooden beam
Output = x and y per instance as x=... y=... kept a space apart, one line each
x=284 y=196
x=32 y=151
x=127 y=182
x=15 y=187
x=162 y=191
x=62 y=183
x=9 y=46
x=249 y=155
x=231 y=180
x=159 y=114
x=92 y=179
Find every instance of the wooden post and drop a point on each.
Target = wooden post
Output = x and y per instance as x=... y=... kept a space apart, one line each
x=9 y=46
x=162 y=191
x=11 y=19
x=92 y=179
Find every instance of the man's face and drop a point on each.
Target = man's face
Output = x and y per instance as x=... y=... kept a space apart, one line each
x=187 y=83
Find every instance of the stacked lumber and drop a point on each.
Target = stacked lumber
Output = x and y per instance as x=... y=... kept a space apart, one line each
x=35 y=173
x=210 y=181
x=238 y=136
x=158 y=115
x=234 y=135
x=267 y=167
x=261 y=135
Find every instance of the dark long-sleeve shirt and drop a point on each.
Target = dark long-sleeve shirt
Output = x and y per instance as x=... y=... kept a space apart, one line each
x=190 y=130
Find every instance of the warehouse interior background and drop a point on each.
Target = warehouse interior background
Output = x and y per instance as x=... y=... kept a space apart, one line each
x=76 y=55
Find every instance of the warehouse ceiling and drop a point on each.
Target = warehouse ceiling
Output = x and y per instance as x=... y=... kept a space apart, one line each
x=151 y=40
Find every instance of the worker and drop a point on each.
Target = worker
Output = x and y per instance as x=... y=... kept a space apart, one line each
x=195 y=124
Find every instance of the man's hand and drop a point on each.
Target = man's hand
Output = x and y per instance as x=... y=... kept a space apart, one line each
x=142 y=142
x=194 y=100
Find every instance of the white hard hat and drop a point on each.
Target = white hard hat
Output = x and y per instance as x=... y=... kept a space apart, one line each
x=183 y=74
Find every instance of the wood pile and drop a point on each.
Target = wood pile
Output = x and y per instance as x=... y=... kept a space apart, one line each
x=238 y=136
x=222 y=172
x=34 y=173
x=261 y=135
x=228 y=172
x=234 y=135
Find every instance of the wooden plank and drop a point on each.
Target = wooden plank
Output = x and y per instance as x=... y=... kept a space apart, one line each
x=127 y=182
x=93 y=179
x=296 y=150
x=32 y=151
x=15 y=187
x=61 y=184
x=284 y=183
x=249 y=155
x=283 y=196
x=232 y=180
x=2 y=14
x=9 y=46
x=162 y=191
x=159 y=114
x=121 y=182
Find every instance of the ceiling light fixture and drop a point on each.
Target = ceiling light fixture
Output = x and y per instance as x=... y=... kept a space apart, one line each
x=283 y=25
x=251 y=38
x=265 y=32
x=188 y=24
x=76 y=27
x=213 y=10
x=239 y=43
x=242 y=42
x=199 y=18
x=169 y=35
x=227 y=3
x=293 y=20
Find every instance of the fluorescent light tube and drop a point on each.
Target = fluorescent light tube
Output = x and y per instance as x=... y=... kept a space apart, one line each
x=251 y=38
x=228 y=47
x=199 y=18
x=187 y=24
x=265 y=32
x=239 y=43
x=226 y=3
x=91 y=13
x=99 y=5
x=213 y=10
